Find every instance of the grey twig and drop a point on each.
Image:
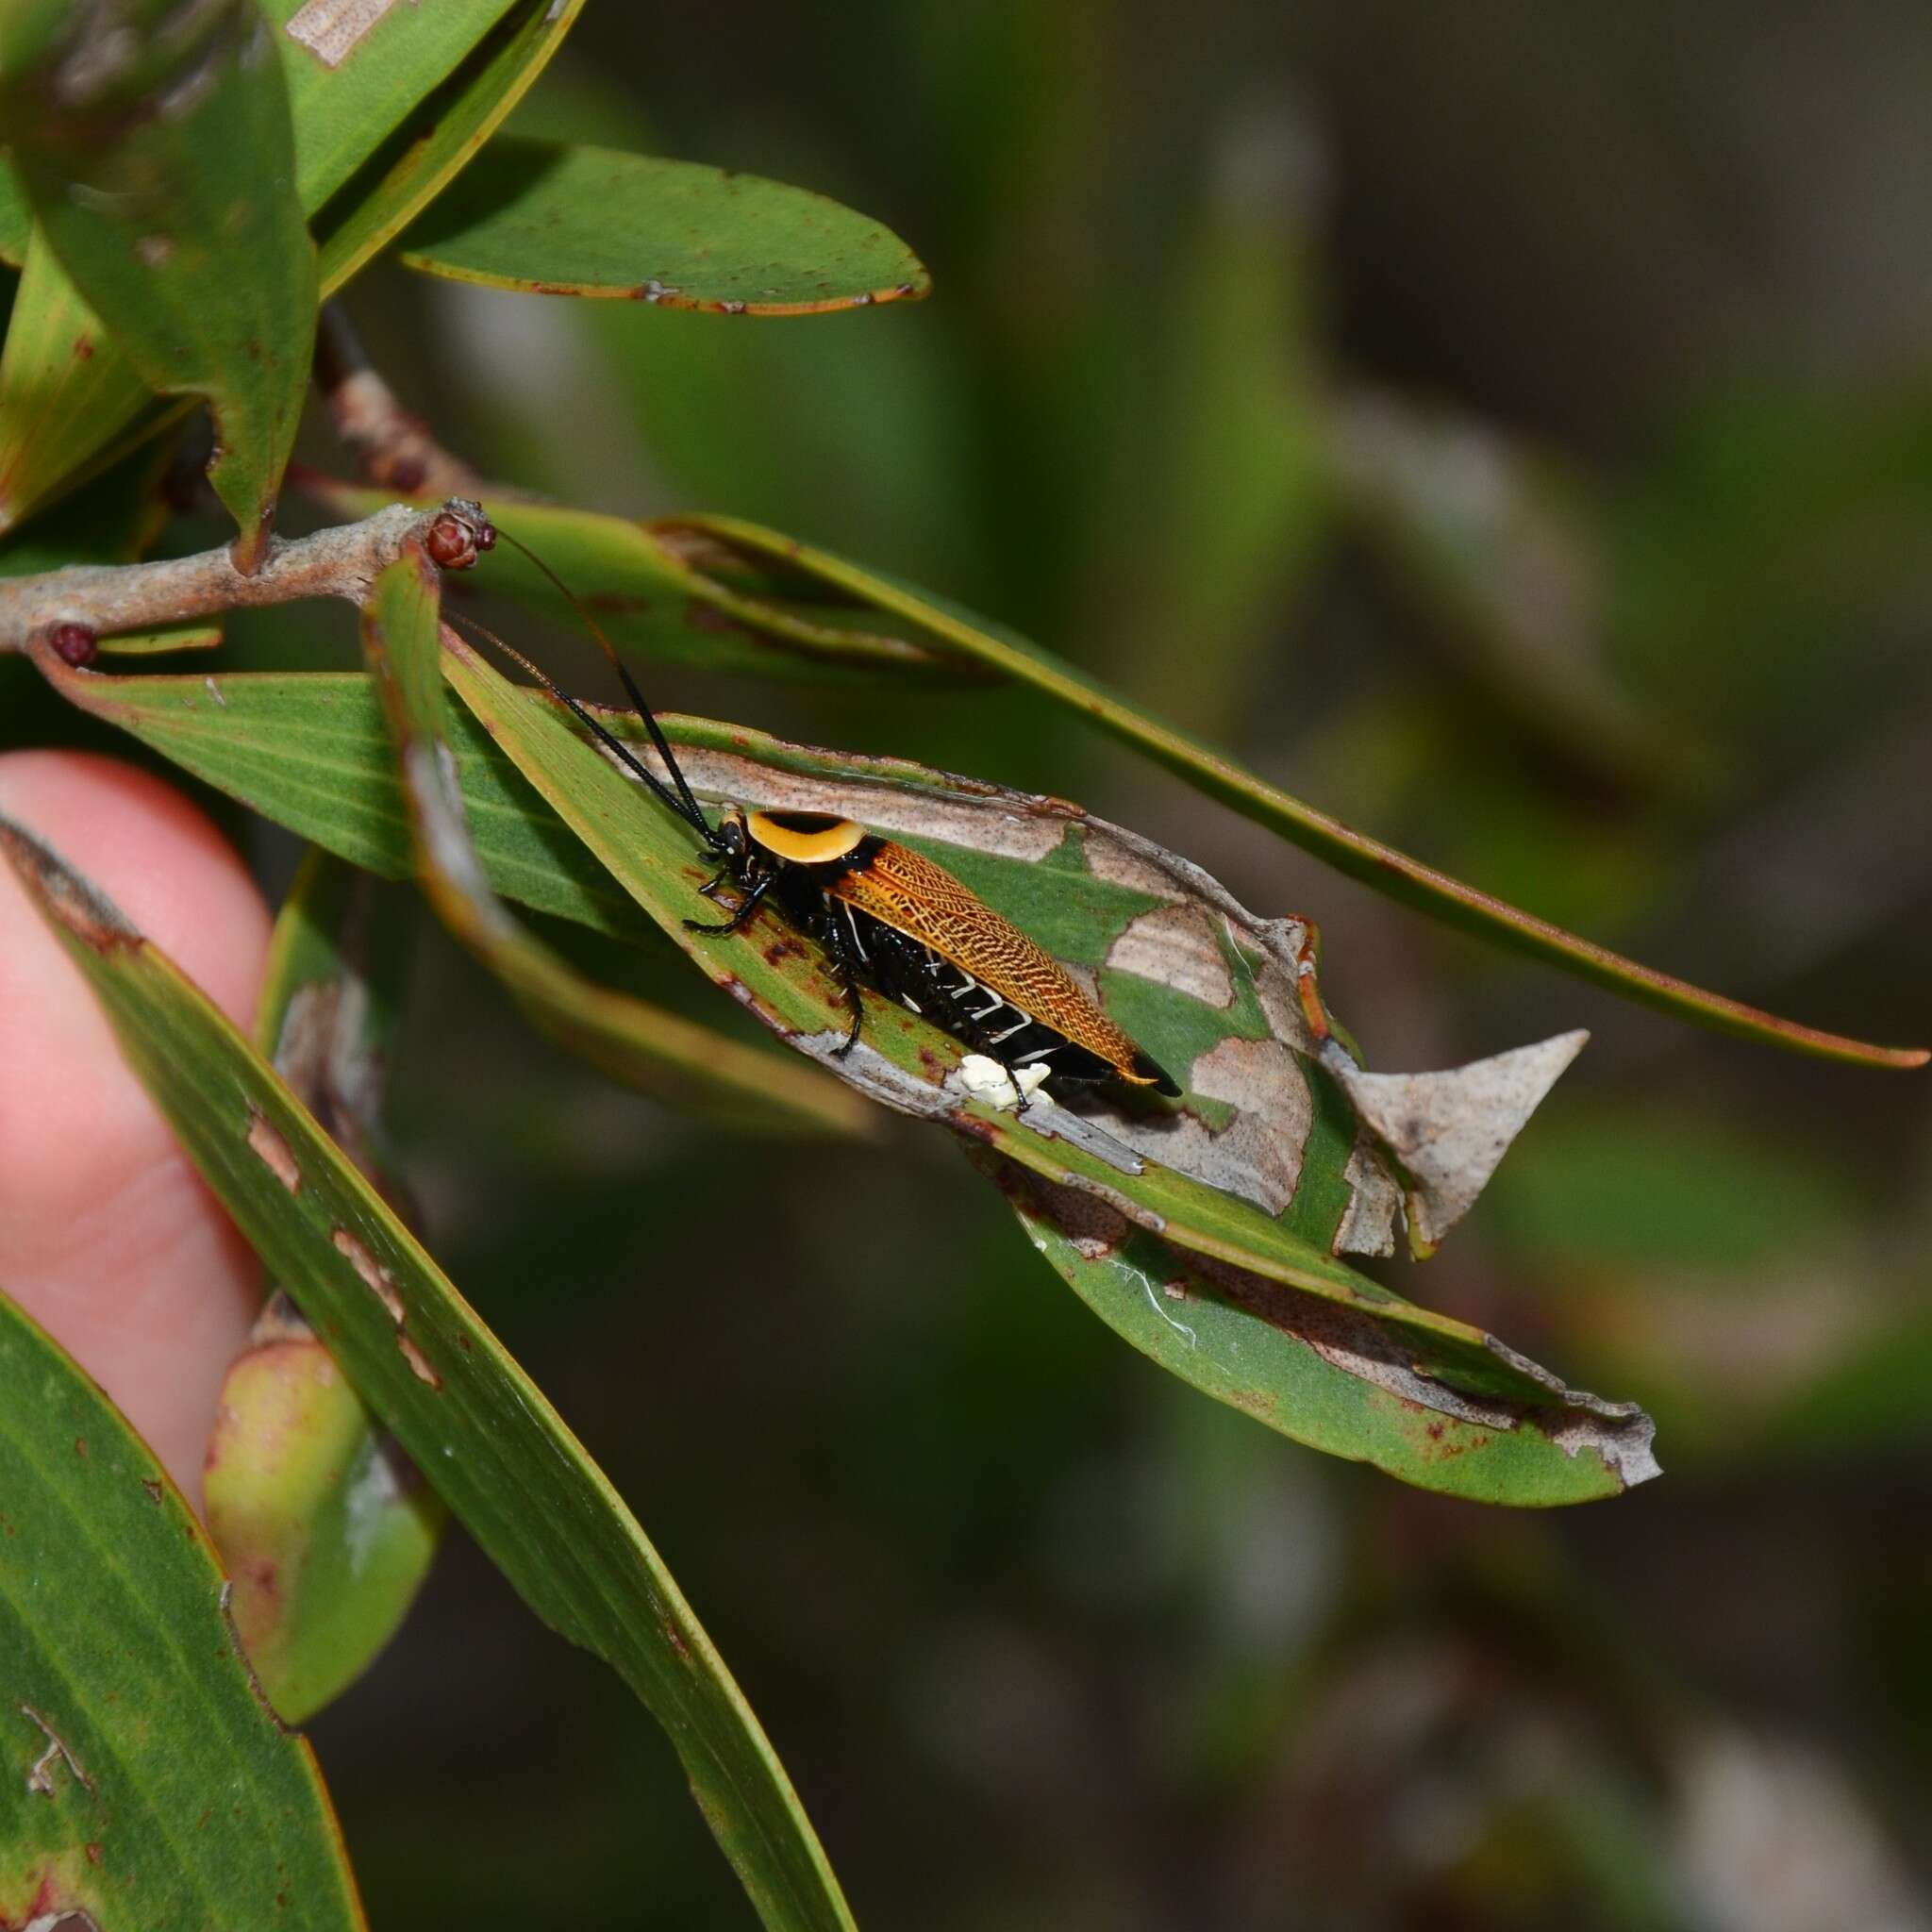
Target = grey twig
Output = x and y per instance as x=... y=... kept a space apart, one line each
x=91 y=600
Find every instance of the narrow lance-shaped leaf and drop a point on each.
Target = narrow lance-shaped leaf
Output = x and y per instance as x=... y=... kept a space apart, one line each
x=165 y=186
x=476 y=1425
x=311 y=751
x=325 y=1526
x=656 y=1049
x=1407 y=881
x=647 y=593
x=143 y=1781
x=553 y=218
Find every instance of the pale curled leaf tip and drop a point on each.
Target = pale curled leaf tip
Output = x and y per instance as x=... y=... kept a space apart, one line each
x=1445 y=1132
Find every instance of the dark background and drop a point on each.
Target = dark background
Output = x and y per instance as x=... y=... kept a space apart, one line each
x=1511 y=427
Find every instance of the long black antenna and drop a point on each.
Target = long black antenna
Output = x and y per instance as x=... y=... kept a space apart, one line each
x=681 y=802
x=618 y=665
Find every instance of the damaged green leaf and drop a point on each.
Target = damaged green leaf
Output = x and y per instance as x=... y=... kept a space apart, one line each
x=1327 y=1376
x=481 y=1431
x=1150 y=1168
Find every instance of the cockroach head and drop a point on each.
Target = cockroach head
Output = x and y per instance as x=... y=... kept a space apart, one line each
x=731 y=837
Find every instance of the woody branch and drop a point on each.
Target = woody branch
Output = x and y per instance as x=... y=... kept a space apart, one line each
x=97 y=600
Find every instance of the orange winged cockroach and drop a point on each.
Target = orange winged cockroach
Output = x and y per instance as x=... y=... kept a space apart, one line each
x=887 y=916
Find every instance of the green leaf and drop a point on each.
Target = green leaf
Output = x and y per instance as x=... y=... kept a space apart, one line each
x=311 y=751
x=67 y=392
x=658 y=1050
x=1408 y=881
x=192 y=634
x=552 y=219
x=355 y=74
x=905 y=1062
x=147 y=1782
x=166 y=191
x=326 y=1529
x=476 y=1425
x=68 y=397
x=1319 y=1374
x=646 y=593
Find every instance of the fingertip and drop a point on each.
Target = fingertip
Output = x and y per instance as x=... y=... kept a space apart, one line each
x=159 y=859
x=109 y=1236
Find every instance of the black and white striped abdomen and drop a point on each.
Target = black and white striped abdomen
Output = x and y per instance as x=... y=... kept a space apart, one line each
x=944 y=992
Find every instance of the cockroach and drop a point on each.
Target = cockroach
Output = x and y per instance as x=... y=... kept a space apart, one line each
x=887 y=916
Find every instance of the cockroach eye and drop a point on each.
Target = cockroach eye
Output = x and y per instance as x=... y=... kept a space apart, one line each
x=74 y=643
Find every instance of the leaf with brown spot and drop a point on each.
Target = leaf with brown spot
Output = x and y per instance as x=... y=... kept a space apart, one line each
x=500 y=1455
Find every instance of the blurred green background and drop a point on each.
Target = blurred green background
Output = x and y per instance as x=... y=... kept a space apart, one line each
x=1510 y=427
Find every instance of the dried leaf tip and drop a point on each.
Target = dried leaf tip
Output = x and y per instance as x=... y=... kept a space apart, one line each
x=64 y=896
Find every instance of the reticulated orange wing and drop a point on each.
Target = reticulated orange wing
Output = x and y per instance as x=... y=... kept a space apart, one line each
x=905 y=890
